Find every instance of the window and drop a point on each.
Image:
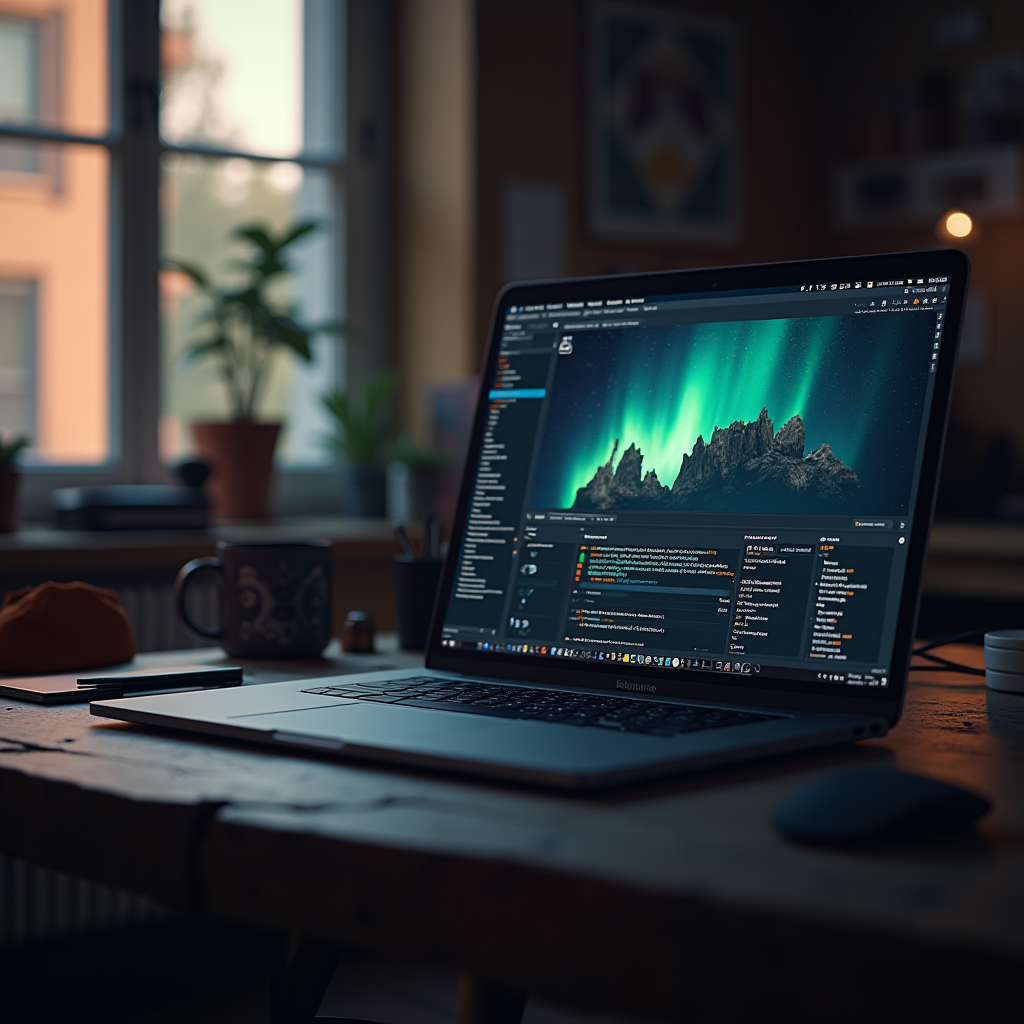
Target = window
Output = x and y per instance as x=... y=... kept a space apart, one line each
x=131 y=130
x=29 y=62
x=269 y=98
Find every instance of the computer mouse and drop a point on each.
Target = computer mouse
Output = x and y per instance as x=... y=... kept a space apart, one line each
x=872 y=806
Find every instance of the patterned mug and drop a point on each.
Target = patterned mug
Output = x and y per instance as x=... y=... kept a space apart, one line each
x=275 y=598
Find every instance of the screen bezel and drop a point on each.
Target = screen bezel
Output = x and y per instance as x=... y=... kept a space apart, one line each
x=683 y=683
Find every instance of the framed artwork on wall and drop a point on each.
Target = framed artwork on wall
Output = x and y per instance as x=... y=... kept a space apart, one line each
x=662 y=155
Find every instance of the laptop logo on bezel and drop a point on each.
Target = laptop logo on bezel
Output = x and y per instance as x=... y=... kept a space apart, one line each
x=626 y=684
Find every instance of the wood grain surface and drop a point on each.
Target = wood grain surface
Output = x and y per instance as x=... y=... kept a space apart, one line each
x=675 y=900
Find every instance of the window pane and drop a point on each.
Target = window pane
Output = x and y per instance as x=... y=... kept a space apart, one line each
x=203 y=201
x=53 y=68
x=19 y=69
x=234 y=73
x=54 y=321
x=17 y=357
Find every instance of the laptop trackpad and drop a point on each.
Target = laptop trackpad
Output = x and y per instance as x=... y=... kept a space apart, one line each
x=377 y=724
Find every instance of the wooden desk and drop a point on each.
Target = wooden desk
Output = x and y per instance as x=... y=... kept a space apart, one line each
x=674 y=900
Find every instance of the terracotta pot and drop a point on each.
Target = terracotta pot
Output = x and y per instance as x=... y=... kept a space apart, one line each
x=241 y=456
x=10 y=480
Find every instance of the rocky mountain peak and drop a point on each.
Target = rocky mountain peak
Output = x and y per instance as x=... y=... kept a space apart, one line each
x=791 y=438
x=740 y=462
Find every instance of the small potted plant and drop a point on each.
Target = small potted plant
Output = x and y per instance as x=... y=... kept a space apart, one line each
x=241 y=329
x=363 y=436
x=10 y=479
x=414 y=479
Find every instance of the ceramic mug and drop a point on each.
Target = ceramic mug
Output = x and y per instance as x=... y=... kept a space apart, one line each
x=275 y=598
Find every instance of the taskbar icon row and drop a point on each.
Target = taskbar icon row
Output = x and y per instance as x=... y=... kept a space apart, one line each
x=619 y=657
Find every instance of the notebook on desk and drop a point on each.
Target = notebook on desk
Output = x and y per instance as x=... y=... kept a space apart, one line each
x=691 y=532
x=115 y=681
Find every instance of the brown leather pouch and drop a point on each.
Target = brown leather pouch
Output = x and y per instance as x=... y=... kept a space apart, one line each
x=61 y=627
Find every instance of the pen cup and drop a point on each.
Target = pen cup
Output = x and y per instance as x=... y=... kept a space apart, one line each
x=415 y=589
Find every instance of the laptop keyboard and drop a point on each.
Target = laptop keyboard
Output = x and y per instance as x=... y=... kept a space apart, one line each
x=620 y=714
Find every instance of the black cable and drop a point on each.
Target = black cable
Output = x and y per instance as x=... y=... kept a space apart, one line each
x=944 y=664
x=942 y=641
x=938 y=658
x=964 y=669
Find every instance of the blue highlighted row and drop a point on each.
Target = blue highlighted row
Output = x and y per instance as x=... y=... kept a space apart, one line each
x=517 y=393
x=702 y=591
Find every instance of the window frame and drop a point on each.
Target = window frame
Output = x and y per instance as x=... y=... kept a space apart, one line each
x=361 y=185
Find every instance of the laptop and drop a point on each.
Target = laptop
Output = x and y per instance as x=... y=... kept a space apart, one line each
x=691 y=532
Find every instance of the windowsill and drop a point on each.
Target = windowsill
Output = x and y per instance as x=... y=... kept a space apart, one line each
x=298 y=493
x=38 y=545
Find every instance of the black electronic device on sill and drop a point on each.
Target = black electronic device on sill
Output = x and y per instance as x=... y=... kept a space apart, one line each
x=130 y=507
x=136 y=506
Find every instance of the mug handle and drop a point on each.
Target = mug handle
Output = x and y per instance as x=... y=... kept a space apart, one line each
x=185 y=575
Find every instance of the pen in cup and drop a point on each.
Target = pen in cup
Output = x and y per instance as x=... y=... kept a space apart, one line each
x=402 y=536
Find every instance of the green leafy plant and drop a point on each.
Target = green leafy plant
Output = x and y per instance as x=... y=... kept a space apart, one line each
x=242 y=327
x=10 y=450
x=418 y=456
x=363 y=425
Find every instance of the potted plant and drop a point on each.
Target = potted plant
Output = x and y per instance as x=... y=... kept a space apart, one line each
x=362 y=439
x=10 y=479
x=241 y=329
x=414 y=475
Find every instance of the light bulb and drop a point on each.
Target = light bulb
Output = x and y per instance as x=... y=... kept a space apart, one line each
x=958 y=224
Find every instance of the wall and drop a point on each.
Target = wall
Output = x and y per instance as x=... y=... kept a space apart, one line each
x=434 y=186
x=874 y=83
x=530 y=68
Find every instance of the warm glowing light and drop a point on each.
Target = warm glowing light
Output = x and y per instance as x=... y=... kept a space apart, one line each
x=958 y=224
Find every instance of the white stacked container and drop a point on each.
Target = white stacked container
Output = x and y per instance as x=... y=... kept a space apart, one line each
x=1004 y=660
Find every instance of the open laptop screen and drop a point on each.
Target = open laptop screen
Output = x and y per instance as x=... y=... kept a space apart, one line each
x=721 y=481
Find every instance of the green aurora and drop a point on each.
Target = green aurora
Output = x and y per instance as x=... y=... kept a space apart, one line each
x=673 y=384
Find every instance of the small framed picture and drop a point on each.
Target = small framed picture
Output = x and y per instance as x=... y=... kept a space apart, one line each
x=662 y=125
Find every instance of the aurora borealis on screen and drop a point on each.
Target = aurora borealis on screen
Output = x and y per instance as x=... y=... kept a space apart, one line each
x=856 y=382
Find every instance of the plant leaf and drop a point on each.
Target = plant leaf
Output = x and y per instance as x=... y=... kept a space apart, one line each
x=201 y=349
x=191 y=270
x=298 y=232
x=258 y=235
x=287 y=332
x=10 y=450
x=363 y=429
x=338 y=327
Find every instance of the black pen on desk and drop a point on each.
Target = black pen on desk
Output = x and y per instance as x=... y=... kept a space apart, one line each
x=155 y=681
x=402 y=536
